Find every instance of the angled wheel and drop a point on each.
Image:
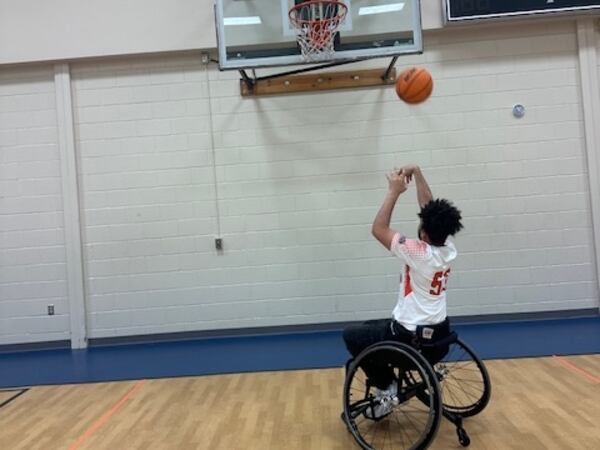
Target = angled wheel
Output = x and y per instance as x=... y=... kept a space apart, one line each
x=464 y=381
x=408 y=417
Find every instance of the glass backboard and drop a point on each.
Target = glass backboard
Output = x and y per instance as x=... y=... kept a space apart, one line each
x=258 y=33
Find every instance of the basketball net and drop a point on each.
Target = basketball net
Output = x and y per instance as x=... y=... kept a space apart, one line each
x=315 y=23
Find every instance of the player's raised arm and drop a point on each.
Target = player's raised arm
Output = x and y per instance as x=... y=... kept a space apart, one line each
x=424 y=194
x=381 y=225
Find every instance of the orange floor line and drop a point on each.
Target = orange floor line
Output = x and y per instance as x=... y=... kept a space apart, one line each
x=569 y=365
x=107 y=415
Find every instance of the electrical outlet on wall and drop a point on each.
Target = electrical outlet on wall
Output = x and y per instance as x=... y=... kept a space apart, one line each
x=50 y=310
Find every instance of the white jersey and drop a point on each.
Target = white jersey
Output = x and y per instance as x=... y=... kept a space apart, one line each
x=422 y=298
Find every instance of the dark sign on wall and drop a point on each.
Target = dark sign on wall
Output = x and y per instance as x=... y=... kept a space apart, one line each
x=459 y=10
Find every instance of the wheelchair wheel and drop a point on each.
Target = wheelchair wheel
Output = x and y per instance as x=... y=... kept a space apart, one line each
x=464 y=381
x=412 y=416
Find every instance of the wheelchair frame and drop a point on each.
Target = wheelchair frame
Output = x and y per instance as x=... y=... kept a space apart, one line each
x=435 y=372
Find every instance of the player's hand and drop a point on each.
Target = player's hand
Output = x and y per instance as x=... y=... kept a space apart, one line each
x=397 y=181
x=409 y=171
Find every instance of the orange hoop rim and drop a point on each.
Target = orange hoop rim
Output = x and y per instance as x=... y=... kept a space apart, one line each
x=298 y=23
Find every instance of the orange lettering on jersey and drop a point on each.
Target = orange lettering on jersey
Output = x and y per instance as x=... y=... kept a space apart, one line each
x=407 y=287
x=438 y=285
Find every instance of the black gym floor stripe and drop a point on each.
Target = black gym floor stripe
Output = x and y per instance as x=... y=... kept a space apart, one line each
x=19 y=392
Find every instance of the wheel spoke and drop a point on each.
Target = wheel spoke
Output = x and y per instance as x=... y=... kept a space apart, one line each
x=462 y=386
x=400 y=428
x=461 y=379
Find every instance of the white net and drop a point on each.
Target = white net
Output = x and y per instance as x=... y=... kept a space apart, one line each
x=316 y=23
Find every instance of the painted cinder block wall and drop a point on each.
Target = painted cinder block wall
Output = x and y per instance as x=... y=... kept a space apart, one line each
x=170 y=156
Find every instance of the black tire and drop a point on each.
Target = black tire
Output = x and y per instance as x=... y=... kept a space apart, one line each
x=464 y=381
x=418 y=398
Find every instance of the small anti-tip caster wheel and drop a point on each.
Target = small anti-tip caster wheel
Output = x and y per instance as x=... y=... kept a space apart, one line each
x=463 y=437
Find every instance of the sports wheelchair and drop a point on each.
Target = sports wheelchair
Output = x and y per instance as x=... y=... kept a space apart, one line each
x=433 y=380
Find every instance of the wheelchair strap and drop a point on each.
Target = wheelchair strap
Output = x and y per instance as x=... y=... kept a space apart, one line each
x=451 y=338
x=437 y=335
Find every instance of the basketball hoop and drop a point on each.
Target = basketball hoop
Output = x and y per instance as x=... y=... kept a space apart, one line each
x=315 y=23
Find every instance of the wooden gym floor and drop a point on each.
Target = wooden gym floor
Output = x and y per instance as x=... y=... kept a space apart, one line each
x=541 y=403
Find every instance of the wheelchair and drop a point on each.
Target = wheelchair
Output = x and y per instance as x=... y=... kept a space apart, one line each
x=434 y=380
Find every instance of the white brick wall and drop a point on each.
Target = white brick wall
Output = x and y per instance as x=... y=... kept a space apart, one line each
x=32 y=255
x=142 y=130
x=299 y=179
x=521 y=184
x=598 y=48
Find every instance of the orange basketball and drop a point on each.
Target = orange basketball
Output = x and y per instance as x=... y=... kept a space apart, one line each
x=414 y=85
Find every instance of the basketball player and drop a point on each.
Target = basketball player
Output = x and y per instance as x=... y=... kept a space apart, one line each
x=426 y=268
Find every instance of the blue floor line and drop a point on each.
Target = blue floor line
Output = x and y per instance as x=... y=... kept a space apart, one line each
x=305 y=350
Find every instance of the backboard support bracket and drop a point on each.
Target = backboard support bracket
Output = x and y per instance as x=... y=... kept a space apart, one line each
x=295 y=81
x=389 y=69
x=250 y=82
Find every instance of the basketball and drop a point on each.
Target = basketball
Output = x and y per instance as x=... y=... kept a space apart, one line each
x=414 y=85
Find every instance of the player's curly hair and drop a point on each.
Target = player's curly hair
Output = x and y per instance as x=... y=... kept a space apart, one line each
x=440 y=219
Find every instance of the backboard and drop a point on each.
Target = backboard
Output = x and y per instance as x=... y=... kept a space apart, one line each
x=258 y=33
